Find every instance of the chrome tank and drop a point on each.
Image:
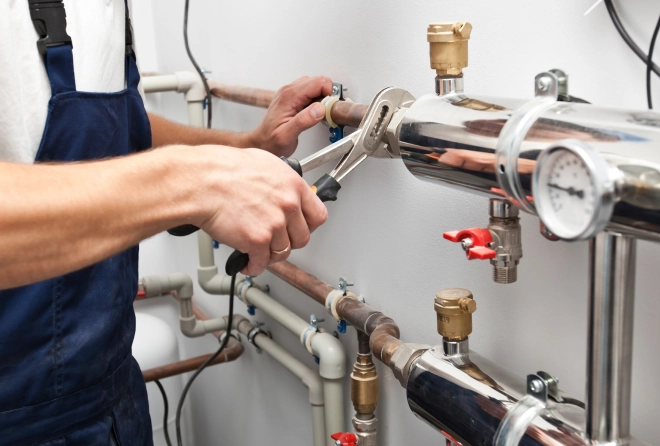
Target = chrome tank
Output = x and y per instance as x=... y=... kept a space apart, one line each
x=465 y=398
x=452 y=138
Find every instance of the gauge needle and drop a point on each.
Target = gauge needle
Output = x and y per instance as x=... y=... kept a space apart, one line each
x=570 y=190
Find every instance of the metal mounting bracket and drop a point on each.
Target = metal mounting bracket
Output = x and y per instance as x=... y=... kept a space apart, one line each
x=513 y=134
x=522 y=414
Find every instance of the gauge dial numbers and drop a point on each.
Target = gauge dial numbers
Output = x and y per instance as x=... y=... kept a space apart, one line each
x=572 y=191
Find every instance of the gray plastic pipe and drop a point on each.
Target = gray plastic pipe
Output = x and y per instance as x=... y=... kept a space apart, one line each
x=329 y=350
x=309 y=378
x=182 y=284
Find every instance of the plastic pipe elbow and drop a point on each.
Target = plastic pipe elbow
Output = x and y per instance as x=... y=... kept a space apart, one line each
x=192 y=327
x=213 y=283
x=330 y=351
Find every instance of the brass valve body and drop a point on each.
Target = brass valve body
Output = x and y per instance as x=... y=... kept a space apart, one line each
x=364 y=385
x=449 y=47
x=454 y=307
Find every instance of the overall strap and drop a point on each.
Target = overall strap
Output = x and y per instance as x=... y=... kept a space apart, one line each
x=54 y=44
x=132 y=73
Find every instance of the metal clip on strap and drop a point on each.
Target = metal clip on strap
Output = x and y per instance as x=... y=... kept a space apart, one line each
x=522 y=414
x=49 y=19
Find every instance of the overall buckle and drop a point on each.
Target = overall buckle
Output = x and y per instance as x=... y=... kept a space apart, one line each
x=49 y=19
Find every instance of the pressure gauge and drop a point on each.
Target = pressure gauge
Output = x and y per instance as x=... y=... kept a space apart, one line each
x=573 y=192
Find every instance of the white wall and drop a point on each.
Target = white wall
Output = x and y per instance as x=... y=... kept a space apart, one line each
x=384 y=233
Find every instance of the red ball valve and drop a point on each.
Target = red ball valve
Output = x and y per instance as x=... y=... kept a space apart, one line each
x=344 y=439
x=476 y=242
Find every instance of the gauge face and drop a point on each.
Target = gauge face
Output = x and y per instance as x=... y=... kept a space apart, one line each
x=570 y=194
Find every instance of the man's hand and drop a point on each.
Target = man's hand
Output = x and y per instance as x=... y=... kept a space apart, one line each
x=257 y=204
x=290 y=114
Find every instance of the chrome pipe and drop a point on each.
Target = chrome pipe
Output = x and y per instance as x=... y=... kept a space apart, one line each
x=610 y=342
x=466 y=396
x=452 y=138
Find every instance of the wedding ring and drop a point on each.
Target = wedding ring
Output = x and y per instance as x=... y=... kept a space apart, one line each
x=284 y=251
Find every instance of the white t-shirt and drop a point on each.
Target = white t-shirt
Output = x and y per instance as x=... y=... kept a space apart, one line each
x=97 y=30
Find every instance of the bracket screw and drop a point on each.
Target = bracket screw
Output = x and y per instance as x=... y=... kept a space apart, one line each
x=536 y=386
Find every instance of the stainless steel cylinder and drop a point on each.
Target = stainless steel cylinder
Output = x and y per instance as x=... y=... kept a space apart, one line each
x=465 y=397
x=452 y=139
x=610 y=341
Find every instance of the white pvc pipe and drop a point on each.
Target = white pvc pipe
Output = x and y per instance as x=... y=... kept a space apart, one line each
x=282 y=315
x=157 y=84
x=333 y=390
x=196 y=113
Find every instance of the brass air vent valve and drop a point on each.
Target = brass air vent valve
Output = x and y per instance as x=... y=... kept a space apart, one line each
x=449 y=54
x=454 y=307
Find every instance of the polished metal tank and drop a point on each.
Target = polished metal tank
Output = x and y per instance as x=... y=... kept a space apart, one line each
x=453 y=138
x=465 y=397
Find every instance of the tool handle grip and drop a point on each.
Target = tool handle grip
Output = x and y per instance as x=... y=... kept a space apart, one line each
x=326 y=188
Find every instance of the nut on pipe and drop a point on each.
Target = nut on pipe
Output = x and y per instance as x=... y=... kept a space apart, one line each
x=364 y=385
x=454 y=308
x=449 y=47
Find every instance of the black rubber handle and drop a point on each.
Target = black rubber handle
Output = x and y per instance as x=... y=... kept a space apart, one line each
x=326 y=188
x=293 y=163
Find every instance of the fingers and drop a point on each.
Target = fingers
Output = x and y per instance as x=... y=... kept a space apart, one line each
x=306 y=89
x=298 y=231
x=280 y=246
x=304 y=120
x=313 y=209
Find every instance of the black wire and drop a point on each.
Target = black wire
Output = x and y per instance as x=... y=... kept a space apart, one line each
x=199 y=71
x=167 y=409
x=223 y=344
x=649 y=65
x=626 y=37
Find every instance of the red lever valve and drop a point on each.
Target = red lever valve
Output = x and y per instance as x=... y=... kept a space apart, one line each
x=344 y=439
x=480 y=242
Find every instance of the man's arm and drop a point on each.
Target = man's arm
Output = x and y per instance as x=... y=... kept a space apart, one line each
x=58 y=218
x=288 y=116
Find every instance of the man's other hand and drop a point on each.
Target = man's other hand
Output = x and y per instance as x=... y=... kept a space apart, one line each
x=257 y=204
x=291 y=113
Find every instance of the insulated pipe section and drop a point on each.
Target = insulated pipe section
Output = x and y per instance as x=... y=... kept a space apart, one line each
x=309 y=378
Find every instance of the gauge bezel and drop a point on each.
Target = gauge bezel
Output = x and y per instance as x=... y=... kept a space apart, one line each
x=603 y=188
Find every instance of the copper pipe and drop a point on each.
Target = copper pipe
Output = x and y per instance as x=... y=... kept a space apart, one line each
x=233 y=351
x=256 y=97
x=382 y=330
x=308 y=284
x=343 y=112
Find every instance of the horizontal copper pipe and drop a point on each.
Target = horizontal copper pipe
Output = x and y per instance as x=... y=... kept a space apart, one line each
x=308 y=284
x=343 y=112
x=232 y=352
x=382 y=330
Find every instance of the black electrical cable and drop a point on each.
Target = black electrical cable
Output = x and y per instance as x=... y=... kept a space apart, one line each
x=626 y=37
x=167 y=410
x=223 y=344
x=649 y=65
x=199 y=70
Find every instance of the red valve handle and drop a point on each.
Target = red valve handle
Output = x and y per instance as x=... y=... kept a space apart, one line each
x=141 y=294
x=344 y=438
x=481 y=239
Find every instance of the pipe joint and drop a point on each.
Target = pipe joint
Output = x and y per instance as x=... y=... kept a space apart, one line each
x=333 y=298
x=330 y=351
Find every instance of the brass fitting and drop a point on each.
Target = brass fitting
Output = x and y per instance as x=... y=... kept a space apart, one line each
x=455 y=307
x=364 y=385
x=449 y=47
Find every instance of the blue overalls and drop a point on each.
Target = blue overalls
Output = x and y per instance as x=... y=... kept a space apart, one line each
x=67 y=376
